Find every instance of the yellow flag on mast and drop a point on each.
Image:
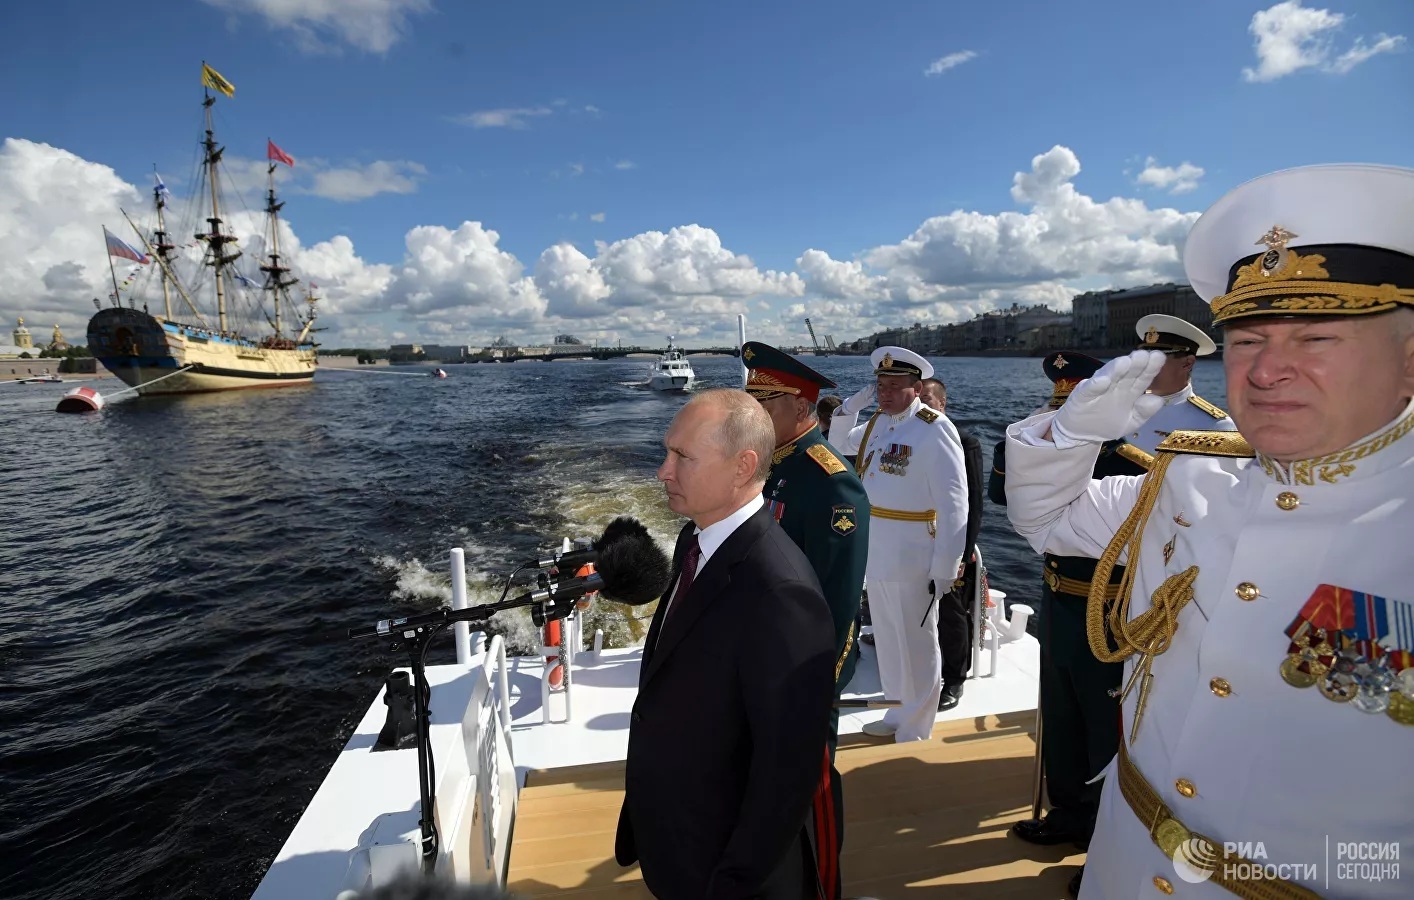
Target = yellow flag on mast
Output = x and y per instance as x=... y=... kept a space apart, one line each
x=212 y=79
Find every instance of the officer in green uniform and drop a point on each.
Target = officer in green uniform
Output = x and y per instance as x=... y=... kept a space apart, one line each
x=821 y=504
x=1080 y=717
x=811 y=492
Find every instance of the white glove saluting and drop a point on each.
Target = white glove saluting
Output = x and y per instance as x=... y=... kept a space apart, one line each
x=860 y=401
x=1111 y=403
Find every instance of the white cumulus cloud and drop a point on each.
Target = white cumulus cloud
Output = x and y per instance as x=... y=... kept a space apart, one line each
x=322 y=25
x=1290 y=37
x=951 y=61
x=359 y=182
x=1179 y=179
x=459 y=284
x=505 y=117
x=955 y=265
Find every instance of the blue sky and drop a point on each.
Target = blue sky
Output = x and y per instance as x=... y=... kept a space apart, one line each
x=761 y=132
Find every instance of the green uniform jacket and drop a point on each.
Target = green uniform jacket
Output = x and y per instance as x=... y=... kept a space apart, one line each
x=821 y=504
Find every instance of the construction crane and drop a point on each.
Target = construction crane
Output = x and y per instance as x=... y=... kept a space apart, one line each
x=819 y=351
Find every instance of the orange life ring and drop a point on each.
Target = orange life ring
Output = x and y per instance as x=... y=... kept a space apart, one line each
x=551 y=632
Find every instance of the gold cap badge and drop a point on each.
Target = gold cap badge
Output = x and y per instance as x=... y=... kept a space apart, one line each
x=888 y=361
x=1275 y=240
x=1151 y=336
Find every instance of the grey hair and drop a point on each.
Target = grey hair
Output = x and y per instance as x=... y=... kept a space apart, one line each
x=745 y=426
x=1403 y=323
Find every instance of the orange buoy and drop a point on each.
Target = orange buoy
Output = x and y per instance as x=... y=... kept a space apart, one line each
x=551 y=632
x=552 y=639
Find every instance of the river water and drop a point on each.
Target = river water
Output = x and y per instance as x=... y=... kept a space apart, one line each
x=177 y=573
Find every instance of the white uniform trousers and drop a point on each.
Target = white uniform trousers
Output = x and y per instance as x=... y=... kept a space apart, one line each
x=910 y=663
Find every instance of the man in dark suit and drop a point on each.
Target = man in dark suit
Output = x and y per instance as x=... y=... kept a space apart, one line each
x=728 y=736
x=955 y=607
x=1080 y=718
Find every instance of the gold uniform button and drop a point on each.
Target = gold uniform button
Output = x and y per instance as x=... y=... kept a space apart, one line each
x=1220 y=686
x=1248 y=591
x=1288 y=501
x=1185 y=787
x=1163 y=884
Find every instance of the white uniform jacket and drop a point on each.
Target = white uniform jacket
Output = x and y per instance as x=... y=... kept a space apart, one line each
x=1301 y=781
x=913 y=462
x=1182 y=411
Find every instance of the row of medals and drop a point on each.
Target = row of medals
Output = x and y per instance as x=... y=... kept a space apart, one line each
x=1365 y=682
x=895 y=459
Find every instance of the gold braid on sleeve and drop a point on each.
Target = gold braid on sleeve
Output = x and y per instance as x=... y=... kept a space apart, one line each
x=848 y=645
x=1152 y=631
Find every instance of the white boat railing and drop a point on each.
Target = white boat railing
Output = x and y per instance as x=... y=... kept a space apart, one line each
x=990 y=615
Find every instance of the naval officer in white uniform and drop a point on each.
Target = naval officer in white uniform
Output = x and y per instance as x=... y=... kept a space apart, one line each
x=910 y=460
x=1270 y=620
x=1183 y=410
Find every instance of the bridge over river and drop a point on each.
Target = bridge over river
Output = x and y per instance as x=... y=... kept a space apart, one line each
x=602 y=353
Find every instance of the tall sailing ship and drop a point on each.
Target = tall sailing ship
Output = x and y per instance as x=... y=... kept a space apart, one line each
x=226 y=331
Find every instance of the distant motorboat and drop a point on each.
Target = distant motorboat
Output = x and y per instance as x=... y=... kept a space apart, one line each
x=42 y=379
x=672 y=373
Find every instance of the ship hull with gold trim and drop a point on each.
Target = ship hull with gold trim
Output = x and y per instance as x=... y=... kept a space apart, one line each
x=140 y=349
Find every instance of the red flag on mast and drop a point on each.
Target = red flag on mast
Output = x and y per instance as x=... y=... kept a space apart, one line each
x=275 y=154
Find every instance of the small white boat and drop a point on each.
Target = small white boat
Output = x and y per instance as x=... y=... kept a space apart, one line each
x=43 y=379
x=672 y=373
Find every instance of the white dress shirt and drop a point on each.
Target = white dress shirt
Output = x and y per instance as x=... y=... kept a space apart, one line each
x=714 y=535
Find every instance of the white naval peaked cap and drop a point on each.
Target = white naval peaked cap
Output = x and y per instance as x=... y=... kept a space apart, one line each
x=1320 y=240
x=900 y=361
x=1172 y=334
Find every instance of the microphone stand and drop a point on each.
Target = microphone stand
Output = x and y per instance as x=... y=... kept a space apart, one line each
x=414 y=633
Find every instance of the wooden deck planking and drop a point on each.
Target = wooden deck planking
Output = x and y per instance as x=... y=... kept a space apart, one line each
x=924 y=819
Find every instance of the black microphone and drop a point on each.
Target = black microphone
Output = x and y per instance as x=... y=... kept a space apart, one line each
x=621 y=528
x=631 y=569
x=634 y=568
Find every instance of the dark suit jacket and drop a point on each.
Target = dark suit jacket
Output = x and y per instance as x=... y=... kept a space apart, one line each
x=728 y=734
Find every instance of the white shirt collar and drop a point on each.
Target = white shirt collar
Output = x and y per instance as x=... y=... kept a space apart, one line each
x=912 y=408
x=712 y=537
x=1180 y=396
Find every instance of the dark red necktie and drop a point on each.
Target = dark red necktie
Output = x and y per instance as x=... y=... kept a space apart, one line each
x=690 y=559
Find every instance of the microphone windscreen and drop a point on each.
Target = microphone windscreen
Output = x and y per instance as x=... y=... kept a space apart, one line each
x=622 y=527
x=634 y=568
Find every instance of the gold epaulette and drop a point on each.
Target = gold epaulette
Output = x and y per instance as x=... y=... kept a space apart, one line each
x=1135 y=455
x=1208 y=443
x=1214 y=411
x=926 y=415
x=827 y=460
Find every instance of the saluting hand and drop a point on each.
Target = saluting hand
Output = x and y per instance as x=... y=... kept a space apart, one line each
x=1111 y=403
x=860 y=401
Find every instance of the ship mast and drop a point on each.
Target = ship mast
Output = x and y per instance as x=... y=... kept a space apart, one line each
x=215 y=239
x=275 y=281
x=161 y=244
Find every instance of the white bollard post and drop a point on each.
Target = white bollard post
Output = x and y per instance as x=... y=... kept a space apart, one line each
x=462 y=630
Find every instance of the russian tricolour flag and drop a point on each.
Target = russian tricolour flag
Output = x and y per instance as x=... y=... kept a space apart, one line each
x=117 y=248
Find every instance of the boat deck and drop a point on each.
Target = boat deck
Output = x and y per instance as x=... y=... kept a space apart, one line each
x=923 y=819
